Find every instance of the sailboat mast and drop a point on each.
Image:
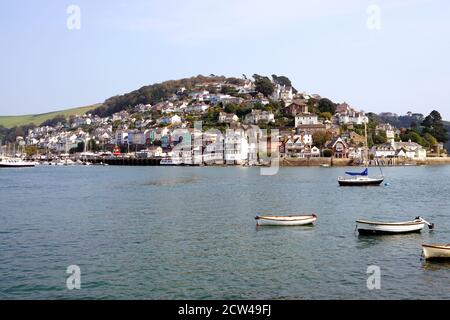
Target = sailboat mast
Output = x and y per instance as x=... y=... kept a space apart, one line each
x=367 y=145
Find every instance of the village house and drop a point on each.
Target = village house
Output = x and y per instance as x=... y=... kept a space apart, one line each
x=407 y=150
x=196 y=108
x=227 y=117
x=347 y=115
x=297 y=107
x=213 y=152
x=306 y=119
x=300 y=147
x=339 y=147
x=81 y=121
x=200 y=96
x=235 y=147
x=259 y=116
x=388 y=130
x=284 y=93
x=356 y=152
x=170 y=120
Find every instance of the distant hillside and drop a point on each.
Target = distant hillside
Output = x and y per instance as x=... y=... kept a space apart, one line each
x=157 y=92
x=37 y=119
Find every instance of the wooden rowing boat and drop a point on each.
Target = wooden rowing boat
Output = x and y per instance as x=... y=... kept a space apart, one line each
x=293 y=220
x=436 y=251
x=371 y=227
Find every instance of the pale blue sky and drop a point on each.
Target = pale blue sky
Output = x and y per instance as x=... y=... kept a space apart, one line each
x=325 y=47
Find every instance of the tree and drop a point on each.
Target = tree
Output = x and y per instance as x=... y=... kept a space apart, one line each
x=231 y=108
x=431 y=141
x=31 y=150
x=326 y=105
x=320 y=138
x=228 y=90
x=379 y=138
x=434 y=125
x=55 y=121
x=282 y=80
x=412 y=136
x=326 y=115
x=263 y=85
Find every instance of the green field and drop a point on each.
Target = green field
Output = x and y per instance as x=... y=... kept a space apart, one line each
x=37 y=119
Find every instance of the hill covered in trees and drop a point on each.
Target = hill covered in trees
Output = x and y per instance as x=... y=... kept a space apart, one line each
x=158 y=92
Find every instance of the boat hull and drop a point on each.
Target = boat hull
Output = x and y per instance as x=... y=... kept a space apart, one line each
x=17 y=166
x=285 y=220
x=360 y=183
x=372 y=228
x=436 y=252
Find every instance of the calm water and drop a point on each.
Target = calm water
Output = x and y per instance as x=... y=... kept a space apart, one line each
x=189 y=233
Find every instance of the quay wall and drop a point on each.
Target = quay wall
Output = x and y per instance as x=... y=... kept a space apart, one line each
x=286 y=162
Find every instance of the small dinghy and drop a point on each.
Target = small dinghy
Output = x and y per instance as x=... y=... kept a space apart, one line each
x=299 y=220
x=371 y=227
x=436 y=251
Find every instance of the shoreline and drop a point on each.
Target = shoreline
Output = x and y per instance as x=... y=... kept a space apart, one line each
x=333 y=162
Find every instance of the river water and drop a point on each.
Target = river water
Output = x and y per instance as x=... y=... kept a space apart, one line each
x=189 y=233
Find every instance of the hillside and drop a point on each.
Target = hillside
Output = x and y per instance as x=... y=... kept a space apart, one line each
x=37 y=119
x=447 y=125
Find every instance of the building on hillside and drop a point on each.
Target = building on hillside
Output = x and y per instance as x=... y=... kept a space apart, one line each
x=340 y=148
x=259 y=116
x=306 y=119
x=227 y=117
x=297 y=107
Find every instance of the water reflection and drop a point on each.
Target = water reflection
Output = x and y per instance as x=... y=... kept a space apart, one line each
x=365 y=241
x=435 y=265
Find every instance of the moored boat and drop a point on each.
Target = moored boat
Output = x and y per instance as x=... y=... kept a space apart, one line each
x=436 y=251
x=372 y=227
x=292 y=220
x=359 y=181
x=7 y=162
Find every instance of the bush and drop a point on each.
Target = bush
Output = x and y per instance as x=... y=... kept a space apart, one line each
x=327 y=153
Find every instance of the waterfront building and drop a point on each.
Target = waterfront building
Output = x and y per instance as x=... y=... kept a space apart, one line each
x=235 y=147
x=339 y=147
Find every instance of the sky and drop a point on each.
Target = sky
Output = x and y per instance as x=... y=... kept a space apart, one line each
x=379 y=56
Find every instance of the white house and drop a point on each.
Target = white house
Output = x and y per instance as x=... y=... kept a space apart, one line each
x=227 y=117
x=257 y=116
x=408 y=150
x=352 y=117
x=235 y=147
x=306 y=118
x=284 y=93
x=196 y=108
x=170 y=120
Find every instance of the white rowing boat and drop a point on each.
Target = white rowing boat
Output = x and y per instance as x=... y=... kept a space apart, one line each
x=371 y=227
x=436 y=251
x=294 y=220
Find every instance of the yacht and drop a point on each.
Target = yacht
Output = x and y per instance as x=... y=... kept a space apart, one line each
x=360 y=179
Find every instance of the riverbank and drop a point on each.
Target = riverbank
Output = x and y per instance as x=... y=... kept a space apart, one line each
x=316 y=162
